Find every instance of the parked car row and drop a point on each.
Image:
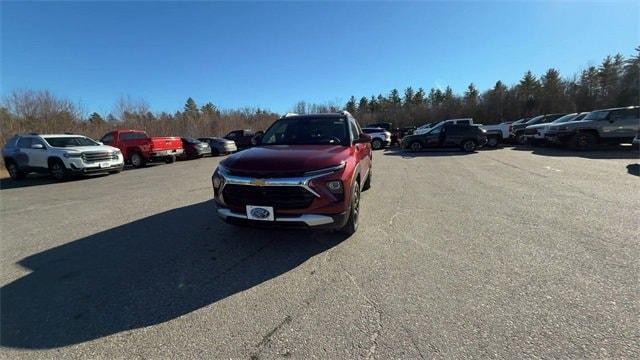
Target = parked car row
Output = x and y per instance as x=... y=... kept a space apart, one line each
x=583 y=130
x=63 y=155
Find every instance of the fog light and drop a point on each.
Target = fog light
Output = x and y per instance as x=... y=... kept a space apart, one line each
x=335 y=186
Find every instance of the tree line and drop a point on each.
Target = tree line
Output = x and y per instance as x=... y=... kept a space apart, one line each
x=614 y=82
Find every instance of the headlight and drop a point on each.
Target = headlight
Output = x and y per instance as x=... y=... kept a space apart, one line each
x=72 y=155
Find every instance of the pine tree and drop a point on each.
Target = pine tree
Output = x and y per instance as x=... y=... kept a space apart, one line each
x=95 y=118
x=190 y=107
x=351 y=105
x=362 y=105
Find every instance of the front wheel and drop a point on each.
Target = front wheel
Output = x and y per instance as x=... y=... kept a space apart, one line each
x=367 y=184
x=469 y=145
x=493 y=142
x=57 y=170
x=170 y=160
x=415 y=146
x=354 y=211
x=521 y=139
x=376 y=144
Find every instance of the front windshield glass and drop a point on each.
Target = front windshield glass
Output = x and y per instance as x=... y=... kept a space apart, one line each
x=71 y=141
x=565 y=118
x=307 y=131
x=535 y=120
x=436 y=129
x=596 y=115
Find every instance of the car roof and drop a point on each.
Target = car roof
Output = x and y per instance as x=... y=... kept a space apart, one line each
x=51 y=135
x=318 y=115
x=618 y=108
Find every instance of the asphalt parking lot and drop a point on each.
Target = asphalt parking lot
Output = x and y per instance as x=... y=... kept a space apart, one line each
x=505 y=253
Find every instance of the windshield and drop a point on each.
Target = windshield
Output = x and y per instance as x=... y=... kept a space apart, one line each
x=307 y=131
x=596 y=115
x=71 y=141
x=436 y=129
x=535 y=120
x=566 y=118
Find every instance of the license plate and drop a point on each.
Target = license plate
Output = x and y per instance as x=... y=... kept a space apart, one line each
x=105 y=165
x=261 y=213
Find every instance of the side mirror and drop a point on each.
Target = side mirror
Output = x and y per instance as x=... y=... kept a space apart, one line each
x=37 y=146
x=363 y=139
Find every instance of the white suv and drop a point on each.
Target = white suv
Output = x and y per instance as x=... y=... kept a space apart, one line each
x=59 y=155
x=380 y=138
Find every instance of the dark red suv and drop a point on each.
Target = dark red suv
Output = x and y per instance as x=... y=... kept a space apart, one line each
x=306 y=171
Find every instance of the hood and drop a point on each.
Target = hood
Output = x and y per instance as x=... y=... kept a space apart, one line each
x=101 y=148
x=538 y=126
x=287 y=158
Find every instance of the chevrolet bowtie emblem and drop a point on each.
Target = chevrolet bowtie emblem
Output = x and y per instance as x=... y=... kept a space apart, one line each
x=258 y=182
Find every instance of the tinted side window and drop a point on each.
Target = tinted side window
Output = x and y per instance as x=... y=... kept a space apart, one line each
x=24 y=143
x=132 y=136
x=625 y=114
x=464 y=122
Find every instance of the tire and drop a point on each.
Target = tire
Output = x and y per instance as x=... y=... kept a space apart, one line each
x=493 y=142
x=584 y=141
x=469 y=145
x=170 y=160
x=14 y=171
x=376 y=144
x=57 y=170
x=115 y=172
x=354 y=211
x=137 y=160
x=415 y=146
x=367 y=184
x=521 y=139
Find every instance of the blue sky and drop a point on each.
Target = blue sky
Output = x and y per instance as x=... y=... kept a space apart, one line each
x=271 y=55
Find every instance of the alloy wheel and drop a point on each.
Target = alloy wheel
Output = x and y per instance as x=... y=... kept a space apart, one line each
x=57 y=171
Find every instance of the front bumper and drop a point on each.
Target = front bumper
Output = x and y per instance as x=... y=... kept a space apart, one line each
x=316 y=221
x=96 y=169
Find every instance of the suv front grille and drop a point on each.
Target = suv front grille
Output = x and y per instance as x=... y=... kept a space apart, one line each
x=98 y=156
x=280 y=197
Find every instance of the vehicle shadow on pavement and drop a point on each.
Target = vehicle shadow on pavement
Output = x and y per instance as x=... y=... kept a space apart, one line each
x=38 y=180
x=143 y=273
x=611 y=152
x=427 y=153
x=633 y=169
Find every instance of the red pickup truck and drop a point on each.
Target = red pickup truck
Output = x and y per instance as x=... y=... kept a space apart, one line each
x=138 y=148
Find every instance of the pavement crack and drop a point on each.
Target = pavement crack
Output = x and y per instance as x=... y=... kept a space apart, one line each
x=376 y=334
x=266 y=338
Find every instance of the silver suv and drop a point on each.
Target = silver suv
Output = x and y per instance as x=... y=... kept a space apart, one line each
x=60 y=155
x=608 y=126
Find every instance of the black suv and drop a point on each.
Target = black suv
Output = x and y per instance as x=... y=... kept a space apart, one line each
x=467 y=137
